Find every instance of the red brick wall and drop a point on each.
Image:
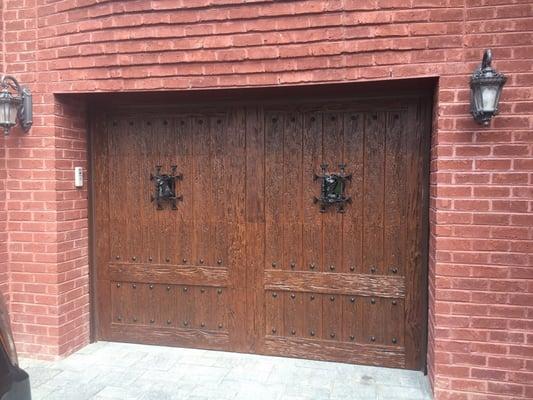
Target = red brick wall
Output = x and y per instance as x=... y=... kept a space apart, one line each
x=4 y=274
x=481 y=285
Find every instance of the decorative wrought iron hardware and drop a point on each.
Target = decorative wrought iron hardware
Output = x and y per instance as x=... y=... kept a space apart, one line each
x=165 y=187
x=332 y=188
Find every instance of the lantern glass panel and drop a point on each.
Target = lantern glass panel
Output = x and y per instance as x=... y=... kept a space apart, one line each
x=4 y=113
x=8 y=109
x=477 y=99
x=489 y=94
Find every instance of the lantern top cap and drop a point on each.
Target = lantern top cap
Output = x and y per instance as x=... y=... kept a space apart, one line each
x=8 y=82
x=485 y=71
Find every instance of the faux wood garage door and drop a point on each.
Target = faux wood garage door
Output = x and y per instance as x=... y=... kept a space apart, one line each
x=244 y=257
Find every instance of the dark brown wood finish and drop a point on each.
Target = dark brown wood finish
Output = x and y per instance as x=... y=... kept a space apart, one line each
x=247 y=262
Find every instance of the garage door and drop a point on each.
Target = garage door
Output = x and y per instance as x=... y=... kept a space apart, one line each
x=288 y=229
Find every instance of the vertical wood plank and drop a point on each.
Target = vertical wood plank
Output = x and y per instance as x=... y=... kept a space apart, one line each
x=184 y=234
x=273 y=190
x=312 y=218
x=117 y=300
x=394 y=324
x=236 y=167
x=293 y=318
x=220 y=171
x=255 y=220
x=133 y=192
x=373 y=193
x=312 y=315
x=222 y=312
x=332 y=155
x=332 y=152
x=393 y=219
x=186 y=296
x=352 y=319
x=419 y=125
x=101 y=229
x=117 y=164
x=291 y=200
x=148 y=218
x=353 y=218
x=166 y=294
x=374 y=317
x=332 y=317
x=167 y=217
x=273 y=313
x=203 y=211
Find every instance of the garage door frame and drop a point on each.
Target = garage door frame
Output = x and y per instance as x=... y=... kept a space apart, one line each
x=322 y=93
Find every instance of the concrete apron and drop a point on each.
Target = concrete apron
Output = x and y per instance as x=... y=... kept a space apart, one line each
x=123 y=371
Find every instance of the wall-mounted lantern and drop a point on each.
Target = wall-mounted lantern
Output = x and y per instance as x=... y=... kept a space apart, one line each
x=486 y=87
x=15 y=104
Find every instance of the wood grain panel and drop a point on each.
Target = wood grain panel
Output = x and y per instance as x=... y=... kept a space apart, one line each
x=417 y=161
x=219 y=314
x=219 y=194
x=352 y=319
x=374 y=192
x=202 y=188
x=292 y=191
x=312 y=315
x=146 y=160
x=235 y=182
x=118 y=217
x=332 y=155
x=359 y=284
x=352 y=235
x=166 y=219
x=255 y=224
x=343 y=352
x=394 y=201
x=169 y=336
x=165 y=301
x=374 y=320
x=247 y=262
x=273 y=188
x=332 y=317
x=171 y=274
x=273 y=314
x=293 y=320
x=184 y=215
x=312 y=220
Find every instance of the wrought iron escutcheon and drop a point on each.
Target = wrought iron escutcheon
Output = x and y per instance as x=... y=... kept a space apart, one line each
x=332 y=188
x=165 y=187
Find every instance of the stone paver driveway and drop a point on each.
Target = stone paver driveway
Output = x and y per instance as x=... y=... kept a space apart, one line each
x=127 y=371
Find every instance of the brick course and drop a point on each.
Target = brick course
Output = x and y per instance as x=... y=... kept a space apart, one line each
x=480 y=278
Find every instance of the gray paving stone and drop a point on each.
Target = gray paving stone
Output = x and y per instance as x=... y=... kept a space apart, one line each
x=350 y=391
x=117 y=393
x=73 y=392
x=41 y=374
x=108 y=371
x=41 y=392
x=400 y=393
